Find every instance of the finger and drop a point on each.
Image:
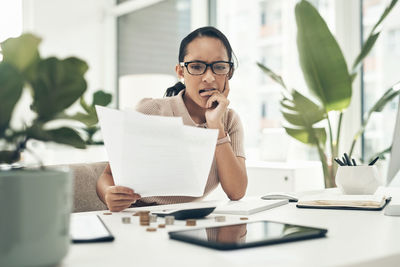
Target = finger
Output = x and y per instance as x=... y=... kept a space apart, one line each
x=226 y=90
x=117 y=208
x=121 y=190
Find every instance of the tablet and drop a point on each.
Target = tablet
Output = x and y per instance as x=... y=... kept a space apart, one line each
x=245 y=235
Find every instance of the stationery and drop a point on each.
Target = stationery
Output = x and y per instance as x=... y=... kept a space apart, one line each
x=248 y=206
x=341 y=201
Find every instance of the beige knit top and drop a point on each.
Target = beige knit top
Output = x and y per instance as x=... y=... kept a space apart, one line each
x=175 y=107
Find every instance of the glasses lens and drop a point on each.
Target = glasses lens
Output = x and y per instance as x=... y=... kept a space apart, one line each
x=221 y=68
x=196 y=68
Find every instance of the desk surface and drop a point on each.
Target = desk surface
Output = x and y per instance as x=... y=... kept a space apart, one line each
x=354 y=238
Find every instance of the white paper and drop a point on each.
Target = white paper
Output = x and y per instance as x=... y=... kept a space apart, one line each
x=156 y=155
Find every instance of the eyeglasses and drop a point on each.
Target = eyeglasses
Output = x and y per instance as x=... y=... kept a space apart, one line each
x=200 y=67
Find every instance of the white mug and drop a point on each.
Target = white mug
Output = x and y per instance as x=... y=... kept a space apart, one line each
x=358 y=180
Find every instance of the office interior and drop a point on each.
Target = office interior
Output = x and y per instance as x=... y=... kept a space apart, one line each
x=131 y=47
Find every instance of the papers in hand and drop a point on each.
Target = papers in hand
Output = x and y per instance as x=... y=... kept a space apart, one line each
x=343 y=201
x=155 y=155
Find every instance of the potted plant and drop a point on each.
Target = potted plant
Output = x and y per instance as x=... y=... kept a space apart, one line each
x=330 y=82
x=89 y=116
x=34 y=224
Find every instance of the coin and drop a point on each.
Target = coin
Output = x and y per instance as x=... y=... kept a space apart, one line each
x=151 y=229
x=190 y=222
x=220 y=218
x=126 y=219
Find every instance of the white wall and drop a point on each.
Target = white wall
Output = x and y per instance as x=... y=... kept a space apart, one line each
x=74 y=28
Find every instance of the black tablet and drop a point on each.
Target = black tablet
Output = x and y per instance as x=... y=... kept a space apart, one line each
x=245 y=235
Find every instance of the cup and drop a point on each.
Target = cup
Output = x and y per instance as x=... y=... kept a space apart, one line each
x=358 y=180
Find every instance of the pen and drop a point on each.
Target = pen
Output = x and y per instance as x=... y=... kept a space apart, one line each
x=347 y=159
x=373 y=162
x=345 y=162
x=354 y=162
x=338 y=161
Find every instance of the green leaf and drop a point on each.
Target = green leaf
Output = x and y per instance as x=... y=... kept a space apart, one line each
x=63 y=135
x=87 y=119
x=21 y=51
x=302 y=113
x=9 y=157
x=101 y=98
x=272 y=74
x=305 y=136
x=57 y=84
x=366 y=48
x=11 y=85
x=322 y=62
x=372 y=37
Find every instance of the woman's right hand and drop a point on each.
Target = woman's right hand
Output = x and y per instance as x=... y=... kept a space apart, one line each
x=120 y=197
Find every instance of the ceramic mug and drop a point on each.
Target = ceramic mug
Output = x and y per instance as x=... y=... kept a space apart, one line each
x=358 y=180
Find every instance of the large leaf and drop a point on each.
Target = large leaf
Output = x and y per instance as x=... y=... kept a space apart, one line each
x=302 y=114
x=21 y=51
x=372 y=37
x=63 y=135
x=57 y=84
x=322 y=62
x=11 y=85
x=305 y=136
x=271 y=74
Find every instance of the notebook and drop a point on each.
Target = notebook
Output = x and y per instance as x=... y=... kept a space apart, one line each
x=86 y=228
x=341 y=201
x=248 y=206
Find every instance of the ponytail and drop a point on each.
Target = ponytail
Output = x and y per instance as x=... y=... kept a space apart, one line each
x=174 y=90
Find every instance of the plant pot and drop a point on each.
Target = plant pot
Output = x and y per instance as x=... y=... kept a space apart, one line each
x=34 y=220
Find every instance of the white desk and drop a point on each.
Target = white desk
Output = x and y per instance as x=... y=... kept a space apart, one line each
x=354 y=238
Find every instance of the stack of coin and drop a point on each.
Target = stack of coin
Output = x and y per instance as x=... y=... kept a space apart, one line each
x=126 y=220
x=161 y=225
x=153 y=218
x=190 y=222
x=169 y=220
x=220 y=218
x=144 y=219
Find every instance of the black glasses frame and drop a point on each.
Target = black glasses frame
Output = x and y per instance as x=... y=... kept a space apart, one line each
x=211 y=65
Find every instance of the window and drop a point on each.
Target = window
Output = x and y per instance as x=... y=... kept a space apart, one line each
x=265 y=31
x=381 y=71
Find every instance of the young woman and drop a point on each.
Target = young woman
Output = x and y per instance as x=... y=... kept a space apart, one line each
x=205 y=67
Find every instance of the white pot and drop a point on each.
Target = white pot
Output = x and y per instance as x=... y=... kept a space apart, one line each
x=34 y=219
x=358 y=180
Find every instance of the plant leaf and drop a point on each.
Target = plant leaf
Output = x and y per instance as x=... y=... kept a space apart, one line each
x=63 y=135
x=21 y=51
x=303 y=135
x=322 y=62
x=56 y=85
x=302 y=114
x=101 y=98
x=11 y=85
x=272 y=74
x=372 y=37
x=366 y=48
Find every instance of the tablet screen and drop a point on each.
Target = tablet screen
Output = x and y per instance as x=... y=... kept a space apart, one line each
x=247 y=235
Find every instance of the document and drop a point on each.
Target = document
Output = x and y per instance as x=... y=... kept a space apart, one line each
x=156 y=155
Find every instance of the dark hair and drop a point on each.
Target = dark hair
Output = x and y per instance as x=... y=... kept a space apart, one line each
x=200 y=32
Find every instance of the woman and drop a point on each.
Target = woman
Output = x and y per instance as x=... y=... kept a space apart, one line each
x=205 y=67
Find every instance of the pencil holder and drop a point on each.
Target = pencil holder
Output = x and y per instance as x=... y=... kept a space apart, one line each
x=358 y=180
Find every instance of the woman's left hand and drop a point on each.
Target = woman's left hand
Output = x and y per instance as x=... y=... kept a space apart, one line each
x=216 y=107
